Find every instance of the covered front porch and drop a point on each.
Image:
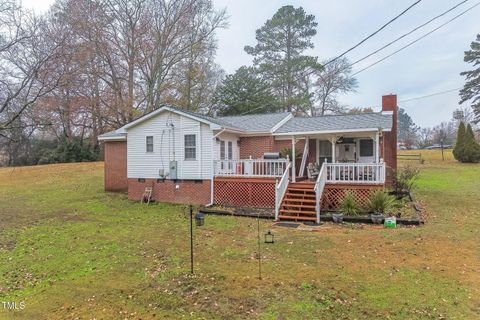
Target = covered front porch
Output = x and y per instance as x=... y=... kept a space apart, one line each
x=351 y=159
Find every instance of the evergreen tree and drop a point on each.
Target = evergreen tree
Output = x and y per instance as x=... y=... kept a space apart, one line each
x=466 y=149
x=244 y=92
x=460 y=144
x=471 y=148
x=471 y=89
x=406 y=127
x=278 y=55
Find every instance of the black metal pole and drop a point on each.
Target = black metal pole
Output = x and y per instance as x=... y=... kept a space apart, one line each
x=259 y=253
x=191 y=240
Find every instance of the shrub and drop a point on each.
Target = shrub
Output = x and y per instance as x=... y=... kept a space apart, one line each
x=379 y=202
x=349 y=205
x=466 y=148
x=406 y=178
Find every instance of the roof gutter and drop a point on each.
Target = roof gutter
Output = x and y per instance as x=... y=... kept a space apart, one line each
x=302 y=133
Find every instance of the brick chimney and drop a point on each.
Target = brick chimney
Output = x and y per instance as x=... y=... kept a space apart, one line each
x=389 y=105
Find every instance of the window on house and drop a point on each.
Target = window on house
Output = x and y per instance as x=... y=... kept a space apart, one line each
x=325 y=151
x=230 y=150
x=149 y=142
x=190 y=147
x=366 y=148
x=222 y=150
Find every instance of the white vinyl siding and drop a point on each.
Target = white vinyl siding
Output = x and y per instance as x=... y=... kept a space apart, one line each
x=168 y=145
x=222 y=141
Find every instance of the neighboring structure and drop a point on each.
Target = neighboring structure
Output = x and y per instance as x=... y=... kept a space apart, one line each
x=191 y=158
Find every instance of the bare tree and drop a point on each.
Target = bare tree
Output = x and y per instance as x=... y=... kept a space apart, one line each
x=23 y=54
x=332 y=80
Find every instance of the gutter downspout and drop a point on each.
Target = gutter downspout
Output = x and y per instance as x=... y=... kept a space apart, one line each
x=213 y=168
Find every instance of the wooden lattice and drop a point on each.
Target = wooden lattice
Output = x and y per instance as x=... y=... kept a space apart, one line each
x=245 y=192
x=333 y=194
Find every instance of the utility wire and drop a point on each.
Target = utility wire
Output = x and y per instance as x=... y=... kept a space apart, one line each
x=429 y=95
x=410 y=32
x=371 y=35
x=416 y=40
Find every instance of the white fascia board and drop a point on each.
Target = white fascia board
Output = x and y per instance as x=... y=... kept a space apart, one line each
x=124 y=138
x=327 y=132
x=166 y=108
x=281 y=123
x=256 y=133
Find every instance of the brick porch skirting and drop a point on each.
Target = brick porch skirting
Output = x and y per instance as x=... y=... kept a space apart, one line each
x=245 y=192
x=334 y=193
x=189 y=191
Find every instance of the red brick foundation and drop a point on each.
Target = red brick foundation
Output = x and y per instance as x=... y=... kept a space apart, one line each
x=189 y=191
x=115 y=162
x=245 y=192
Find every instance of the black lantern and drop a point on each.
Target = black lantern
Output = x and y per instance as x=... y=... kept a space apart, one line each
x=199 y=219
x=269 y=237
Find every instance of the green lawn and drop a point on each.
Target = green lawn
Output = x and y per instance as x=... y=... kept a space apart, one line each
x=70 y=251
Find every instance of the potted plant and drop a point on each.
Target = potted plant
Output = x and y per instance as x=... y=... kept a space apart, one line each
x=348 y=206
x=378 y=203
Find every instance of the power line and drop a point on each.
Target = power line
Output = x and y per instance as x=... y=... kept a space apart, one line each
x=429 y=95
x=408 y=33
x=416 y=40
x=371 y=35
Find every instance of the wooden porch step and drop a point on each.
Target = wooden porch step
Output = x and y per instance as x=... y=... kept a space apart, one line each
x=302 y=185
x=299 y=200
x=298 y=212
x=300 y=189
x=293 y=205
x=297 y=218
x=300 y=196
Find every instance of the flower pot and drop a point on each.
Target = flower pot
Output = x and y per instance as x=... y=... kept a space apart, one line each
x=376 y=217
x=337 y=217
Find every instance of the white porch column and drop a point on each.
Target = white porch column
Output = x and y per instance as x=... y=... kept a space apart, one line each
x=377 y=147
x=333 y=140
x=293 y=160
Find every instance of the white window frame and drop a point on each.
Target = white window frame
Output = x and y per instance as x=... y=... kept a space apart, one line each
x=147 y=144
x=185 y=147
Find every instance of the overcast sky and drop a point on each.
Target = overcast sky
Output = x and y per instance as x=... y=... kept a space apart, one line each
x=431 y=65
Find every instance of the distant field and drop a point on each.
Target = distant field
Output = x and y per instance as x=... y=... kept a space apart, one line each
x=70 y=251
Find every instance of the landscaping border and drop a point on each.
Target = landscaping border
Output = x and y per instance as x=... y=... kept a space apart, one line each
x=257 y=213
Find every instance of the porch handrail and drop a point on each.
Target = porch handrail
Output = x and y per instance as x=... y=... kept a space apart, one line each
x=361 y=173
x=250 y=168
x=280 y=189
x=319 y=186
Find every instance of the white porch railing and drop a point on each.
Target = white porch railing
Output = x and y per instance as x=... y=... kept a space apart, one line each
x=362 y=173
x=319 y=186
x=280 y=189
x=250 y=168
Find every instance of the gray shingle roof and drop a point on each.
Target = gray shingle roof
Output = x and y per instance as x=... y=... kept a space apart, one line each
x=337 y=123
x=253 y=122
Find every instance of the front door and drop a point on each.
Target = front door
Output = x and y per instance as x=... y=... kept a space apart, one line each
x=367 y=151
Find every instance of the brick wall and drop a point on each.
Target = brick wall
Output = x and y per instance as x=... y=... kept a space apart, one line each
x=389 y=140
x=255 y=147
x=189 y=191
x=115 y=172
